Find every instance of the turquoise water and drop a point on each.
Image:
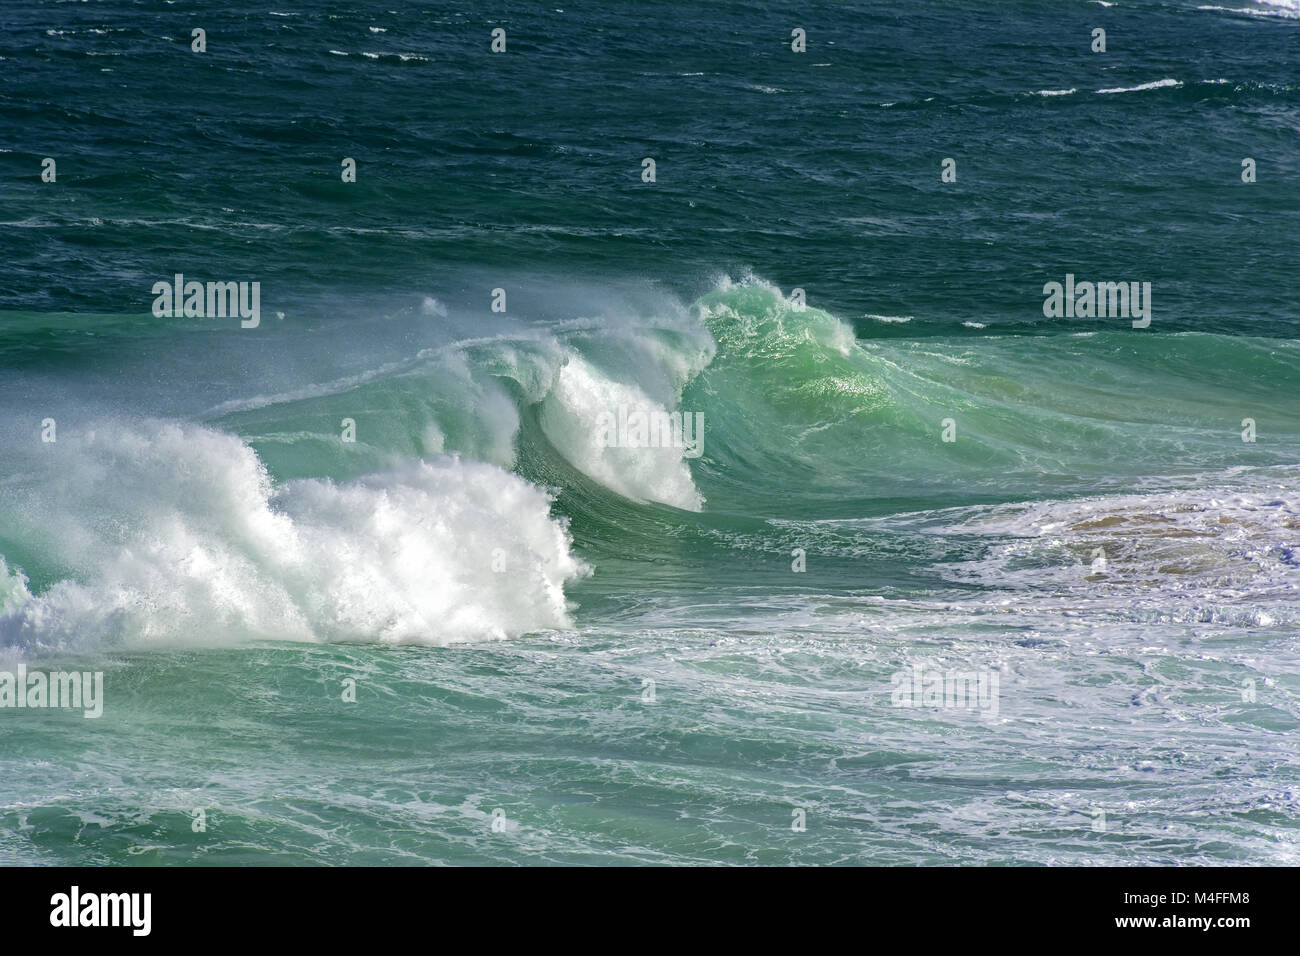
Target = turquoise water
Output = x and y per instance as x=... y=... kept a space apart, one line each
x=477 y=634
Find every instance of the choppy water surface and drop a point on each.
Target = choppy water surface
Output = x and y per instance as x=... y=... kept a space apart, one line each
x=638 y=655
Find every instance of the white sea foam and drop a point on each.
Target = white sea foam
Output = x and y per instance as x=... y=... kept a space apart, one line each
x=177 y=534
x=570 y=416
x=1220 y=545
x=1285 y=9
x=1153 y=85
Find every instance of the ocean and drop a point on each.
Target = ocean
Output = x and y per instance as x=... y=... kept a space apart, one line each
x=648 y=436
